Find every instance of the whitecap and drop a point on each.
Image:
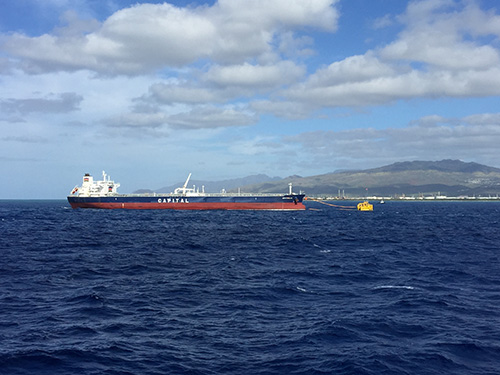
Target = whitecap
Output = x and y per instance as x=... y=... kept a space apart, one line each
x=395 y=287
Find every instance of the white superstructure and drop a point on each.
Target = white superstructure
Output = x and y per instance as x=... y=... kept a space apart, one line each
x=99 y=188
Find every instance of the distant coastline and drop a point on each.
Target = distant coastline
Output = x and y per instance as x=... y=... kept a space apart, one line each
x=409 y=199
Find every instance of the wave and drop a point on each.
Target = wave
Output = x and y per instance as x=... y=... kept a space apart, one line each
x=408 y=290
x=408 y=287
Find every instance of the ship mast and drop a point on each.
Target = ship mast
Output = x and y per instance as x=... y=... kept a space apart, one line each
x=184 y=188
x=186 y=184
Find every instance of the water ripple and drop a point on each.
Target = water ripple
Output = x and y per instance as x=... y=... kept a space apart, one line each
x=411 y=288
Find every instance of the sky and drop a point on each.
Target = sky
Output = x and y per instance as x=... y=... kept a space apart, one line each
x=150 y=91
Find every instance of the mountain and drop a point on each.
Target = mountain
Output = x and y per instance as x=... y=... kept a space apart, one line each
x=442 y=166
x=216 y=186
x=445 y=177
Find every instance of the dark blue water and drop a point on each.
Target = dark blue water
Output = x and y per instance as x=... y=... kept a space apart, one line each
x=411 y=288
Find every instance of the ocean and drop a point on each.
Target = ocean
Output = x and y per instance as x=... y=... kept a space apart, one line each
x=410 y=288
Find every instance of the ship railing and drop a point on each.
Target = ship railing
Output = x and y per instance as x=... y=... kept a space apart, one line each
x=94 y=194
x=205 y=194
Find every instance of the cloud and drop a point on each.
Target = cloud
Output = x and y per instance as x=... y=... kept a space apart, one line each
x=446 y=40
x=247 y=28
x=25 y=139
x=473 y=138
x=483 y=118
x=284 y=109
x=443 y=51
x=147 y=37
x=211 y=117
x=255 y=76
x=256 y=146
x=171 y=93
x=138 y=120
x=384 y=89
x=383 y=22
x=224 y=83
x=199 y=117
x=52 y=103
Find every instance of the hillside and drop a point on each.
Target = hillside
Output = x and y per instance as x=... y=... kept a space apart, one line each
x=446 y=177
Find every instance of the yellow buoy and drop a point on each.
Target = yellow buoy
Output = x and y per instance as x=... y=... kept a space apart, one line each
x=365 y=206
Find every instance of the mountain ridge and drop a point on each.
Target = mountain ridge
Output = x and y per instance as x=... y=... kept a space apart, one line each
x=446 y=165
x=444 y=177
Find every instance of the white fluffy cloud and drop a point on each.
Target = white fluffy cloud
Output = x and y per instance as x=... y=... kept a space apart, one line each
x=224 y=83
x=445 y=50
x=147 y=37
x=384 y=89
x=440 y=39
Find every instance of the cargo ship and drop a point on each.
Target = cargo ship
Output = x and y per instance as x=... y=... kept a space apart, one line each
x=103 y=194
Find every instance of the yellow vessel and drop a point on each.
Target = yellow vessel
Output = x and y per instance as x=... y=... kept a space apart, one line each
x=365 y=206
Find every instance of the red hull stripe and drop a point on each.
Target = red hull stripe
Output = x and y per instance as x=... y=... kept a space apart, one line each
x=191 y=206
